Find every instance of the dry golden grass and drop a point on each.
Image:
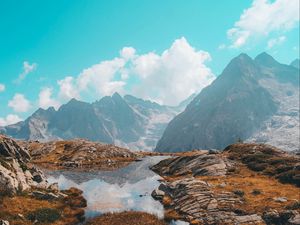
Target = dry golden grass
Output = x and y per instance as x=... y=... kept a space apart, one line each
x=16 y=209
x=248 y=181
x=126 y=218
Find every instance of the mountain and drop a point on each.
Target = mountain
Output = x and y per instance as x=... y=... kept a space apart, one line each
x=252 y=100
x=296 y=63
x=125 y=121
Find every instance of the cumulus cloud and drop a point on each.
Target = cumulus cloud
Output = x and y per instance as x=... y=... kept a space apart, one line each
x=9 y=119
x=46 y=100
x=2 y=87
x=174 y=75
x=127 y=53
x=27 y=68
x=19 y=103
x=67 y=88
x=263 y=18
x=102 y=79
x=167 y=78
x=275 y=41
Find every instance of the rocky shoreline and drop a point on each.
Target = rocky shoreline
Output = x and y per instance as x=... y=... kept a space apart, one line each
x=25 y=195
x=221 y=188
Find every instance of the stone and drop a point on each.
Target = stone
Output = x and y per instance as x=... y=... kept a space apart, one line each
x=4 y=222
x=198 y=165
x=280 y=199
x=53 y=187
x=295 y=219
x=44 y=196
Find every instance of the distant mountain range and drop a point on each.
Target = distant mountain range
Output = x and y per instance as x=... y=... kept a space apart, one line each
x=125 y=121
x=253 y=100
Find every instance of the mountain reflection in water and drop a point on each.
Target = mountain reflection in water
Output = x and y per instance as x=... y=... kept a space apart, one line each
x=128 y=188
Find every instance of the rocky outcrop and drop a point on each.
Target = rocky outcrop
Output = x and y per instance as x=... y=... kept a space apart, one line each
x=15 y=173
x=234 y=186
x=196 y=165
x=196 y=201
x=79 y=153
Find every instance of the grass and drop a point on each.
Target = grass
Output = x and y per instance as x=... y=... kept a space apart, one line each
x=44 y=215
x=126 y=218
x=56 y=212
x=258 y=190
x=267 y=160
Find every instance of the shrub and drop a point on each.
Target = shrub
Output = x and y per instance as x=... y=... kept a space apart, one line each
x=257 y=166
x=239 y=193
x=256 y=192
x=44 y=215
x=294 y=206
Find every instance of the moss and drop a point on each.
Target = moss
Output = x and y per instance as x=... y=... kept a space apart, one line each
x=44 y=215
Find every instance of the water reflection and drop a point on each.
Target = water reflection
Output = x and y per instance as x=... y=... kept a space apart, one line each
x=128 y=188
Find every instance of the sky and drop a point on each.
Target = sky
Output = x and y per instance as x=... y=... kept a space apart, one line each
x=164 y=51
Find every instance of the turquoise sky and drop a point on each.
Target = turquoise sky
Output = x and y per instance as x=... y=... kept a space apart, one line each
x=63 y=37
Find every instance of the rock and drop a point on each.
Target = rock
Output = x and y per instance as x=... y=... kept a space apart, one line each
x=15 y=175
x=44 y=196
x=10 y=148
x=249 y=219
x=53 y=187
x=196 y=201
x=280 y=199
x=222 y=185
x=275 y=217
x=37 y=177
x=157 y=194
x=4 y=222
x=198 y=165
x=295 y=219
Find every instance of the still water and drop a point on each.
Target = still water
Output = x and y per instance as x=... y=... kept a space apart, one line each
x=128 y=188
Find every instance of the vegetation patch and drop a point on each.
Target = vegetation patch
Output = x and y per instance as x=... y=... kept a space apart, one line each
x=44 y=215
x=126 y=218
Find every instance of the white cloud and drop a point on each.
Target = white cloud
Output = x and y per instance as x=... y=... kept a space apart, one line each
x=174 y=75
x=27 y=68
x=2 y=87
x=127 y=53
x=67 y=88
x=19 y=103
x=275 y=41
x=221 y=46
x=101 y=79
x=10 y=119
x=167 y=78
x=262 y=18
x=46 y=100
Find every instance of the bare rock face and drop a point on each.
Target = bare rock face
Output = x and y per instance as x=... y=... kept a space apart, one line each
x=9 y=148
x=196 y=201
x=15 y=174
x=196 y=165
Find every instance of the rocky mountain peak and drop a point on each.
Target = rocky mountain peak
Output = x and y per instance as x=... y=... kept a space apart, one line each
x=265 y=59
x=296 y=63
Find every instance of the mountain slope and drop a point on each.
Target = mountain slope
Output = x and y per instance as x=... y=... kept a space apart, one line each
x=239 y=105
x=296 y=63
x=125 y=121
